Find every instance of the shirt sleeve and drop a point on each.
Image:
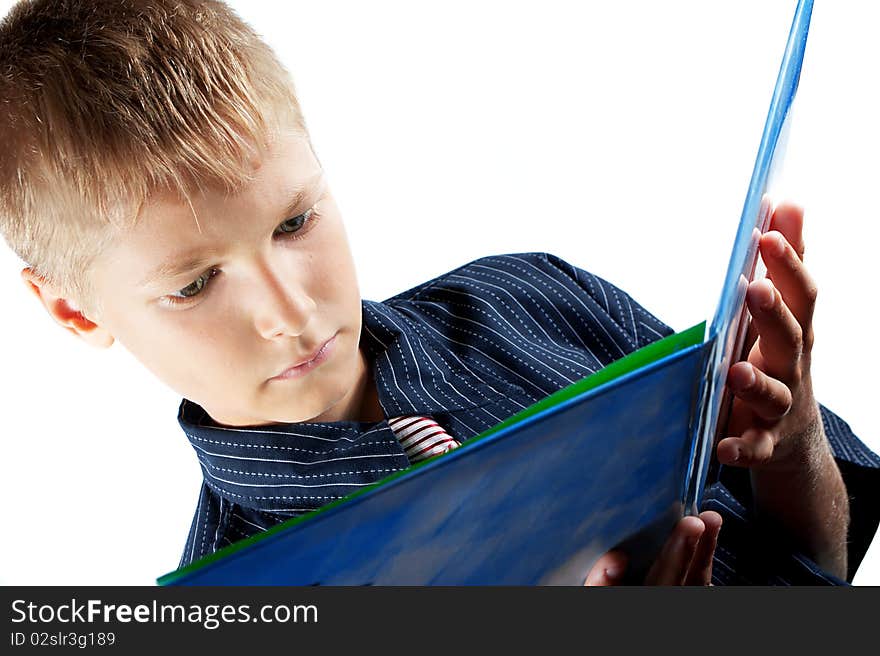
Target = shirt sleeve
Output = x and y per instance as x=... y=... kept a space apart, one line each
x=860 y=469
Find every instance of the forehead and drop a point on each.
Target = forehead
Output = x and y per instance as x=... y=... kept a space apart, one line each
x=288 y=165
x=168 y=227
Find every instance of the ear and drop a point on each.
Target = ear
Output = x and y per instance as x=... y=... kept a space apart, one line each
x=65 y=312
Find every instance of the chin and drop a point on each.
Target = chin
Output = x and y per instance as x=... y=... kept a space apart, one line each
x=317 y=412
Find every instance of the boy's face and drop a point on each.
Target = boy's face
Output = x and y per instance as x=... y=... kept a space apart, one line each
x=218 y=310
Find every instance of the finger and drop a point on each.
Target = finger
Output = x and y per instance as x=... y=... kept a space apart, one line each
x=753 y=448
x=671 y=566
x=741 y=417
x=780 y=336
x=700 y=572
x=791 y=278
x=608 y=570
x=750 y=339
x=788 y=219
x=768 y=398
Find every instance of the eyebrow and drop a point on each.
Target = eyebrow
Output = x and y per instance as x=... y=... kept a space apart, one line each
x=174 y=268
x=194 y=260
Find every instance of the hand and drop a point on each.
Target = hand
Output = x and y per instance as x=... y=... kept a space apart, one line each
x=775 y=419
x=686 y=558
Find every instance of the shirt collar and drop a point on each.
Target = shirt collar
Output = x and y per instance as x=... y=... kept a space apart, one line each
x=415 y=374
x=416 y=367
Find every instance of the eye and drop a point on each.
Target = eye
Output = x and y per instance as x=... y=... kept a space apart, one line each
x=290 y=229
x=194 y=288
x=295 y=224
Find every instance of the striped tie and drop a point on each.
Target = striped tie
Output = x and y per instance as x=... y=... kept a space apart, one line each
x=421 y=437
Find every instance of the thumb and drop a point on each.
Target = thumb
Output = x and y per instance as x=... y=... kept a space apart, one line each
x=608 y=570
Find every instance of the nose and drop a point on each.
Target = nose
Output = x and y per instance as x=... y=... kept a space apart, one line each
x=282 y=308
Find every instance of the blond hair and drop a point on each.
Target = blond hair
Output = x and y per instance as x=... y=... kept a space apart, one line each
x=106 y=102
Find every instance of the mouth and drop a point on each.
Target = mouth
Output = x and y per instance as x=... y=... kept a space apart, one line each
x=315 y=360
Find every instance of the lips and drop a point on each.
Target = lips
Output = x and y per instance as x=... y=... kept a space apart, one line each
x=312 y=356
x=313 y=360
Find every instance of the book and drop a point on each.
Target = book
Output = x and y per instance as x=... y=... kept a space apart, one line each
x=540 y=496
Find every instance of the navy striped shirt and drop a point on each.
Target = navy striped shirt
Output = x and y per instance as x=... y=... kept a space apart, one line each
x=469 y=349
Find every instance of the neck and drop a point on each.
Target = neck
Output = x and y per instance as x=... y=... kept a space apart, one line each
x=368 y=407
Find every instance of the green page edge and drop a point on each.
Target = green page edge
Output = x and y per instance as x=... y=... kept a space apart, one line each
x=636 y=360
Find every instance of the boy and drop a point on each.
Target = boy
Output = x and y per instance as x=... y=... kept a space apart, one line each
x=190 y=124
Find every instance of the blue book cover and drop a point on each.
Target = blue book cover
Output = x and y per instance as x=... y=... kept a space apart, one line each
x=613 y=459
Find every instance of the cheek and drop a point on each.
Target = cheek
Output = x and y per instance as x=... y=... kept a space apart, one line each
x=336 y=275
x=186 y=357
x=339 y=289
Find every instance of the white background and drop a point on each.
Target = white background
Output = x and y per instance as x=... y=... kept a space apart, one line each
x=618 y=135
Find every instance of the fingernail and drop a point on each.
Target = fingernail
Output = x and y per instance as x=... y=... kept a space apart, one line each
x=778 y=249
x=612 y=572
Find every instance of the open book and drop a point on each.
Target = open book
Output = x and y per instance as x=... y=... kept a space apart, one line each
x=615 y=458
